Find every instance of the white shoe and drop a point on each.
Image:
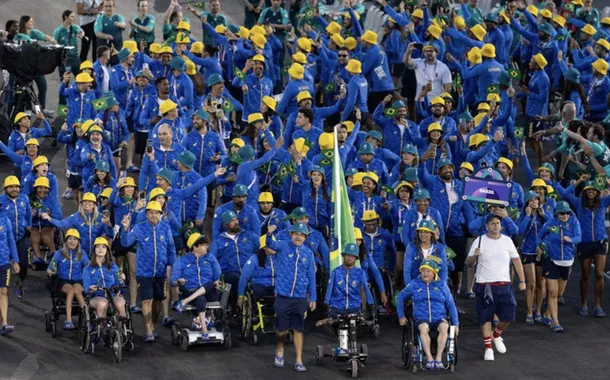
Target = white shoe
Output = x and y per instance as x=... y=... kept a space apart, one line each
x=499 y=344
x=489 y=355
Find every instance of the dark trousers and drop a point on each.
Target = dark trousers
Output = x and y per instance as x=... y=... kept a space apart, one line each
x=90 y=42
x=23 y=245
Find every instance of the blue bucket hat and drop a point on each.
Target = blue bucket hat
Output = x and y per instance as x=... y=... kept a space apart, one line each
x=409 y=148
x=421 y=194
x=529 y=195
x=351 y=249
x=573 y=75
x=376 y=135
x=186 y=159
x=228 y=216
x=562 y=206
x=504 y=78
x=166 y=174
x=102 y=166
x=240 y=191
x=318 y=169
x=214 y=79
x=111 y=102
x=410 y=175
x=444 y=162
x=123 y=54
x=202 y=114
x=350 y=172
x=234 y=28
x=366 y=148
x=300 y=228
x=246 y=152
x=426 y=225
x=299 y=212
x=546 y=28
x=399 y=104
x=466 y=116
x=178 y=63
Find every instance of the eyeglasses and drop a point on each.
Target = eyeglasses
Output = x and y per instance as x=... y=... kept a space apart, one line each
x=342 y=55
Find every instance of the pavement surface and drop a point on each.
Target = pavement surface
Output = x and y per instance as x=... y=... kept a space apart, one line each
x=534 y=352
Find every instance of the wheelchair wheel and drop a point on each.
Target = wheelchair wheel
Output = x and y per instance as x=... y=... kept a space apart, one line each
x=364 y=350
x=226 y=332
x=84 y=332
x=53 y=329
x=376 y=331
x=246 y=316
x=254 y=338
x=175 y=334
x=130 y=346
x=354 y=368
x=407 y=346
x=184 y=340
x=117 y=345
x=319 y=353
x=47 y=321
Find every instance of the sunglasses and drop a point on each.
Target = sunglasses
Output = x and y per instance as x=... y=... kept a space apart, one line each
x=342 y=55
x=563 y=213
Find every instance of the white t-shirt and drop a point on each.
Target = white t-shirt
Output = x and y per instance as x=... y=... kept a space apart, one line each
x=453 y=196
x=105 y=79
x=493 y=264
x=438 y=73
x=88 y=5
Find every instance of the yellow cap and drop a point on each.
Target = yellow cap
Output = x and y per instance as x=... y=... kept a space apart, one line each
x=338 y=40
x=86 y=65
x=372 y=176
x=540 y=60
x=254 y=117
x=474 y=56
x=333 y=28
x=86 y=125
x=505 y=161
x=197 y=47
x=296 y=71
x=605 y=44
x=193 y=239
x=435 y=31
x=89 y=197
x=370 y=37
x=167 y=106
x=154 y=206
x=538 y=183
x=259 y=58
x=546 y=13
x=238 y=142
x=590 y=30
x=357 y=179
x=182 y=38
x=605 y=21
x=43 y=182
x=39 y=161
x=269 y=102
x=401 y=185
x=494 y=98
x=84 y=78
x=467 y=165
x=351 y=43
x=418 y=13
x=354 y=66
x=303 y=95
x=601 y=66
x=483 y=107
x=479 y=32
x=244 y=32
x=257 y=29
x=488 y=51
x=131 y=45
x=191 y=69
x=504 y=16
x=434 y=127
x=184 y=25
x=459 y=22
x=300 y=58
x=265 y=197
x=155 y=48
x=11 y=180
x=347 y=15
x=32 y=141
x=220 y=29
x=106 y=193
x=437 y=100
x=101 y=241
x=258 y=40
x=370 y=215
x=166 y=50
x=73 y=232
x=357 y=233
x=560 y=20
x=478 y=118
x=128 y=182
x=20 y=116
x=326 y=141
x=95 y=128
x=299 y=146
x=477 y=139
x=349 y=125
x=532 y=9
x=156 y=192
x=304 y=44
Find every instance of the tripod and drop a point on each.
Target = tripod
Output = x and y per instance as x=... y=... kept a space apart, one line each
x=24 y=99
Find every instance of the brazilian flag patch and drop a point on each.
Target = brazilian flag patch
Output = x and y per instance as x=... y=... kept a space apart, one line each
x=100 y=104
x=238 y=73
x=62 y=110
x=330 y=88
x=493 y=89
x=514 y=73
x=227 y=106
x=519 y=133
x=389 y=112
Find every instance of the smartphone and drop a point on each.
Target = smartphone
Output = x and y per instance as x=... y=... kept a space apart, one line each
x=149 y=146
x=106 y=213
x=418 y=46
x=142 y=195
x=432 y=147
x=218 y=106
x=123 y=174
x=37 y=108
x=67 y=69
x=145 y=66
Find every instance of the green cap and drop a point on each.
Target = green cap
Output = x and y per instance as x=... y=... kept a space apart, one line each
x=366 y=148
x=186 y=159
x=562 y=206
x=300 y=228
x=166 y=174
x=228 y=216
x=421 y=194
x=351 y=249
x=240 y=190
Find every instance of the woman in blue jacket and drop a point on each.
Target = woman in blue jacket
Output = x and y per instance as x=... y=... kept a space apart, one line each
x=431 y=301
x=41 y=201
x=68 y=264
x=590 y=211
x=423 y=246
x=259 y=271
x=559 y=237
x=100 y=179
x=198 y=274
x=103 y=273
x=316 y=198
x=23 y=161
x=530 y=224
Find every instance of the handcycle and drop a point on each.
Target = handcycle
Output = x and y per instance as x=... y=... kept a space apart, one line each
x=257 y=315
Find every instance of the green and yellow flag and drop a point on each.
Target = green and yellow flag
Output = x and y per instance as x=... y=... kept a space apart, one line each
x=342 y=231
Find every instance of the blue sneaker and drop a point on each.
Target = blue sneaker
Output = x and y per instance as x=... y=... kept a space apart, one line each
x=584 y=311
x=205 y=337
x=149 y=339
x=598 y=313
x=179 y=307
x=299 y=367
x=68 y=325
x=135 y=309
x=7 y=329
x=278 y=361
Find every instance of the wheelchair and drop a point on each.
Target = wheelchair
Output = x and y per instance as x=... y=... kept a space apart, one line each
x=370 y=322
x=257 y=314
x=321 y=285
x=45 y=252
x=413 y=356
x=219 y=334
x=58 y=300
x=115 y=332
x=346 y=327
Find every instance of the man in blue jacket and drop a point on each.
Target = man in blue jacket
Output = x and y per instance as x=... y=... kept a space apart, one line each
x=288 y=104
x=122 y=77
x=255 y=85
x=155 y=255
x=295 y=284
x=398 y=131
x=376 y=69
x=8 y=253
x=248 y=219
x=357 y=90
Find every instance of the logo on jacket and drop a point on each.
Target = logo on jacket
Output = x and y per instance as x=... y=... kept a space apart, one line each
x=354 y=283
x=162 y=238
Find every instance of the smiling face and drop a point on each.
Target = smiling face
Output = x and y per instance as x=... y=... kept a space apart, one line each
x=368 y=185
x=591 y=193
x=42 y=192
x=259 y=68
x=109 y=7
x=100 y=174
x=12 y=191
x=563 y=216
x=72 y=242
x=424 y=236
x=427 y=275
x=316 y=177
x=88 y=206
x=100 y=250
x=42 y=170
x=534 y=203
x=422 y=205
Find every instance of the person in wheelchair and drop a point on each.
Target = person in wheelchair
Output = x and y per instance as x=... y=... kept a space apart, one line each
x=43 y=232
x=343 y=295
x=431 y=300
x=198 y=275
x=423 y=246
x=368 y=265
x=259 y=271
x=68 y=265
x=103 y=273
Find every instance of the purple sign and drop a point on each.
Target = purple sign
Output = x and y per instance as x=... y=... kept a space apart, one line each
x=486 y=191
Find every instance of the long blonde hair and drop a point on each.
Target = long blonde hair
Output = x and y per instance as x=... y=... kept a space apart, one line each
x=96 y=214
x=66 y=255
